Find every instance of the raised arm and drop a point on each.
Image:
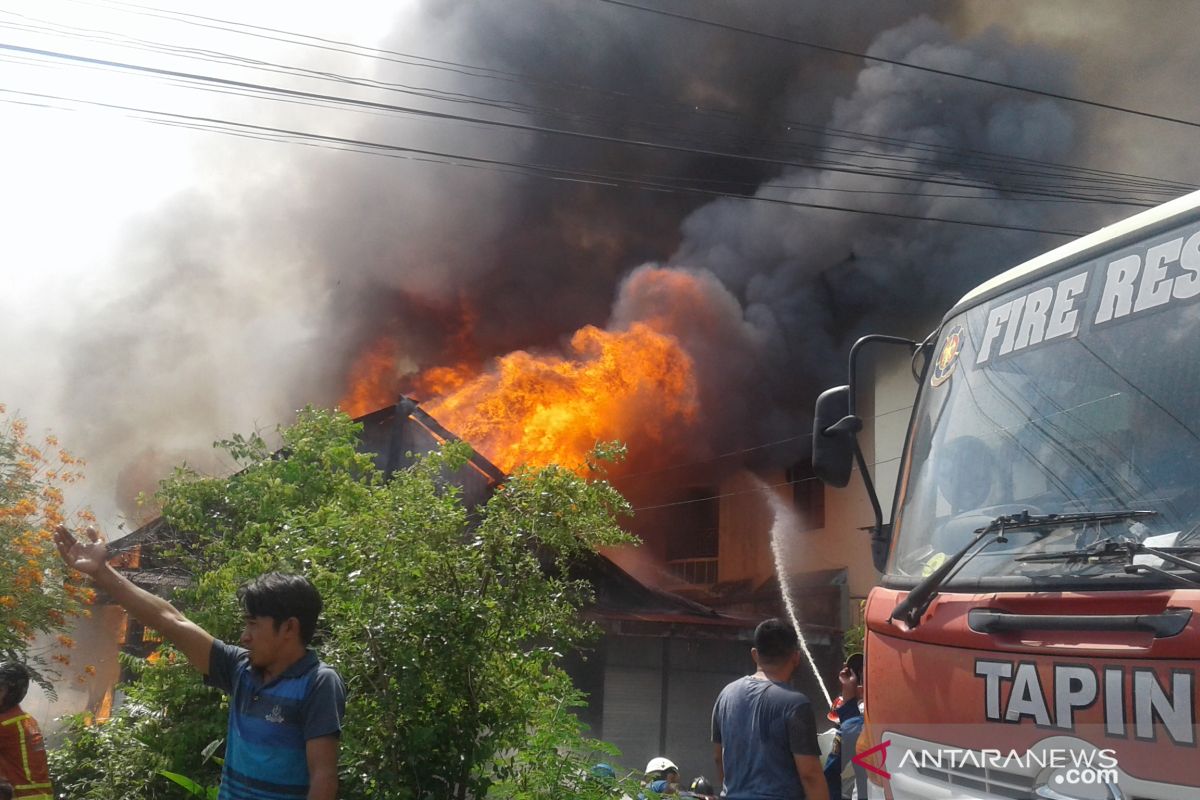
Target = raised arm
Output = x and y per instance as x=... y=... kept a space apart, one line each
x=91 y=558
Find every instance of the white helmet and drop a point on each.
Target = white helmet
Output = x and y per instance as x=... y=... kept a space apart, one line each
x=660 y=764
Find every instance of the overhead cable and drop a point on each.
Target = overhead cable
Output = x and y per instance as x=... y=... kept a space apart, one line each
x=237 y=86
x=1166 y=187
x=905 y=64
x=1159 y=189
x=541 y=170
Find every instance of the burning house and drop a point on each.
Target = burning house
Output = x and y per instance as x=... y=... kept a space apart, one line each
x=675 y=625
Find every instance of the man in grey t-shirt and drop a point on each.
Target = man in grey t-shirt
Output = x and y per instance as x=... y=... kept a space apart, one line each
x=763 y=731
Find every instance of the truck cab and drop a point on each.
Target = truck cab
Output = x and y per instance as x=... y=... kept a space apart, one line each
x=1036 y=632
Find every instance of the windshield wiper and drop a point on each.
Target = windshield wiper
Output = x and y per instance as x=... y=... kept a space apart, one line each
x=1025 y=520
x=1110 y=548
x=918 y=599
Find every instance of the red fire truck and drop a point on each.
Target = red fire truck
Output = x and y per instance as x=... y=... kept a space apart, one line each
x=1036 y=632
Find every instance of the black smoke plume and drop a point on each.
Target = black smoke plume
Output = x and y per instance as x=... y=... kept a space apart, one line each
x=251 y=296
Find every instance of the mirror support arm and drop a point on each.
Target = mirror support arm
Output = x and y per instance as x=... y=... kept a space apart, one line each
x=854 y=351
x=881 y=532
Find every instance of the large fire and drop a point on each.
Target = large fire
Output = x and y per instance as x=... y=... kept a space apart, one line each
x=372 y=379
x=635 y=385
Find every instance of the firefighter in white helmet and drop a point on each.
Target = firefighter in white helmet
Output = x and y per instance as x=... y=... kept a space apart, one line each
x=662 y=776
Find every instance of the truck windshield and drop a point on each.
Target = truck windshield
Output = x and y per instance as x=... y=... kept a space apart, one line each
x=1051 y=400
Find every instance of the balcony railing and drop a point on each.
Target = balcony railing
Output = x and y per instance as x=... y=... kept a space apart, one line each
x=694 y=570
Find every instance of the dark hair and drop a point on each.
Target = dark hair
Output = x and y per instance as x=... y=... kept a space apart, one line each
x=282 y=597
x=855 y=663
x=14 y=681
x=6 y=790
x=775 y=640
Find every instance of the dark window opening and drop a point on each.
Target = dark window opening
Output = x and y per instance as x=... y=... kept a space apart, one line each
x=693 y=541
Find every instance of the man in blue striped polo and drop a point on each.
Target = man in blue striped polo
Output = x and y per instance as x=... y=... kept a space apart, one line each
x=286 y=707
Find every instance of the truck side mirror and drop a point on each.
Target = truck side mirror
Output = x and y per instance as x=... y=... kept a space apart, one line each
x=834 y=432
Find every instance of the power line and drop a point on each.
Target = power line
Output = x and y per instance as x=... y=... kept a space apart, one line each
x=978 y=159
x=906 y=64
x=237 y=86
x=741 y=451
x=757 y=490
x=331 y=45
x=107 y=37
x=538 y=170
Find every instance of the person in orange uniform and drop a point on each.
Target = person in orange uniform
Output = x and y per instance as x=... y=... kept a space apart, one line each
x=22 y=752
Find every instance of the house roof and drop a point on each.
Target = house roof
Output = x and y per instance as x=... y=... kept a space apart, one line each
x=618 y=592
x=156 y=531
x=397 y=435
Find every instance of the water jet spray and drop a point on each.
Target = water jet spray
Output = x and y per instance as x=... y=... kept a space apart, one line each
x=785 y=520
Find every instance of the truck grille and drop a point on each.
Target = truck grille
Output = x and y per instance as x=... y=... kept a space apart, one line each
x=994 y=782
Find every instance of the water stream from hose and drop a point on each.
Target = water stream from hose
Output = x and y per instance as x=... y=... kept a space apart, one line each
x=787 y=522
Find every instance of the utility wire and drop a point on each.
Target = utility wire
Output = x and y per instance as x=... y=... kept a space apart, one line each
x=1168 y=188
x=245 y=87
x=756 y=490
x=905 y=64
x=741 y=451
x=539 y=170
x=279 y=91
x=974 y=160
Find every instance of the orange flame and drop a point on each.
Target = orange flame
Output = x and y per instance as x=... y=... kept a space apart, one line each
x=635 y=385
x=378 y=374
x=372 y=379
x=443 y=381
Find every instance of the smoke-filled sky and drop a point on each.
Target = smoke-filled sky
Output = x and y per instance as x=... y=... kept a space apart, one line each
x=166 y=284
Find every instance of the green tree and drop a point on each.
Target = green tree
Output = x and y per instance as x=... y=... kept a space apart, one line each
x=446 y=622
x=855 y=635
x=35 y=597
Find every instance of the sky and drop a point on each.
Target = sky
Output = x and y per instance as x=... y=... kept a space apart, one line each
x=165 y=286
x=79 y=180
x=95 y=171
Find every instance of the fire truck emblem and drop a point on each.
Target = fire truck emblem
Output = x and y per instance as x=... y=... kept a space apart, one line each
x=948 y=357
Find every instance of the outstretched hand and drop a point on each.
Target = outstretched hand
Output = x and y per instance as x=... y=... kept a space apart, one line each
x=849 y=682
x=86 y=556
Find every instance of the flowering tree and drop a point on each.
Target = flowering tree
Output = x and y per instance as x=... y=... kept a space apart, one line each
x=35 y=595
